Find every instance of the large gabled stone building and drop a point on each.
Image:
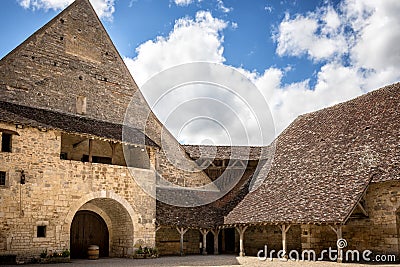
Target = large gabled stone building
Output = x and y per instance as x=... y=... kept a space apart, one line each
x=67 y=180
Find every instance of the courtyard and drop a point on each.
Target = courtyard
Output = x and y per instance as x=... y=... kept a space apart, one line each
x=199 y=260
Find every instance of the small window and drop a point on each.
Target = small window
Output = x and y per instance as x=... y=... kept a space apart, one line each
x=63 y=155
x=41 y=231
x=6 y=142
x=81 y=105
x=2 y=178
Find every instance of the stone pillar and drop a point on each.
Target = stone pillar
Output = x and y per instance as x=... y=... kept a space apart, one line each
x=181 y=231
x=204 y=232
x=215 y=233
x=241 y=229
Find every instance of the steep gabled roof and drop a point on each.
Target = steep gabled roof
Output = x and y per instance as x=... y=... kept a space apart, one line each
x=72 y=57
x=325 y=160
x=42 y=118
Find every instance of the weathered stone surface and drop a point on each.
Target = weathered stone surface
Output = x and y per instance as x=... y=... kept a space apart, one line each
x=56 y=189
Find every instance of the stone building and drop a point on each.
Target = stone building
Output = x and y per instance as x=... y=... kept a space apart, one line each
x=70 y=178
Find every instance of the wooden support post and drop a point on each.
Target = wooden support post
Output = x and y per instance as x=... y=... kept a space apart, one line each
x=113 y=148
x=241 y=229
x=284 y=229
x=340 y=242
x=90 y=150
x=215 y=233
x=181 y=231
x=204 y=232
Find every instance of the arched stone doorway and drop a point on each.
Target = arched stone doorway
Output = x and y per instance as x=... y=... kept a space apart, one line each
x=117 y=217
x=88 y=228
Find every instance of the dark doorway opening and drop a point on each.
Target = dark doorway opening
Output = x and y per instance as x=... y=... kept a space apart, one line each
x=226 y=241
x=88 y=228
x=210 y=243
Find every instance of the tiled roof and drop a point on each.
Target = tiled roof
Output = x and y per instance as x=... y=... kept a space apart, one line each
x=17 y=114
x=325 y=160
x=226 y=152
x=206 y=216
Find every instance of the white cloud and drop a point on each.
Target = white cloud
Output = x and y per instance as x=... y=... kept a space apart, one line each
x=104 y=8
x=356 y=44
x=317 y=35
x=183 y=2
x=198 y=39
x=376 y=45
x=268 y=9
x=222 y=7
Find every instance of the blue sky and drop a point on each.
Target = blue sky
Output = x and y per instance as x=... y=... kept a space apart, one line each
x=250 y=45
x=302 y=55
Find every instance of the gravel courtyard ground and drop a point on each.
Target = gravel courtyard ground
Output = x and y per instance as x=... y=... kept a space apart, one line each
x=198 y=260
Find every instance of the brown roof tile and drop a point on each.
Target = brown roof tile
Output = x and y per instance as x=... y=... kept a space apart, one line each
x=325 y=160
x=75 y=124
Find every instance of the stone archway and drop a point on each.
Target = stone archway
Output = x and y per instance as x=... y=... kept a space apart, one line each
x=117 y=215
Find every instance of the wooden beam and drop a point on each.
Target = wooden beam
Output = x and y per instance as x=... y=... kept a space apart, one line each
x=362 y=209
x=90 y=150
x=113 y=148
x=78 y=143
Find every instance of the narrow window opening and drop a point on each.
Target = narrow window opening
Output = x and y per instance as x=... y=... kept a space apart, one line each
x=62 y=21
x=2 y=178
x=41 y=231
x=81 y=105
x=6 y=142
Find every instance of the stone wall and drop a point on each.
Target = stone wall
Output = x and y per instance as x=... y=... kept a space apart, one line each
x=56 y=189
x=256 y=237
x=68 y=58
x=168 y=241
x=380 y=231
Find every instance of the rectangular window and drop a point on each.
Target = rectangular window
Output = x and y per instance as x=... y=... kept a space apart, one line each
x=41 y=231
x=3 y=178
x=6 y=142
x=81 y=105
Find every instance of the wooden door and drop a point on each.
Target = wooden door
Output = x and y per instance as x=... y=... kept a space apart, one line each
x=88 y=228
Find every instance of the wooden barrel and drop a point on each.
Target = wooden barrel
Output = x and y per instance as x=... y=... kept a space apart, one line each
x=93 y=252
